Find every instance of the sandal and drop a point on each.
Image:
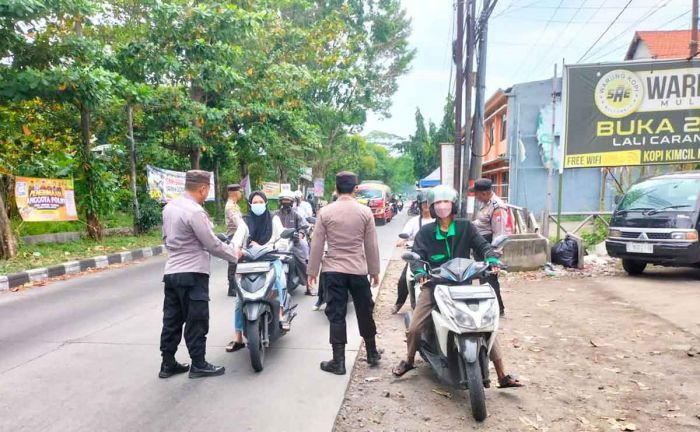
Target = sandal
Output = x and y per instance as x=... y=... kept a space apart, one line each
x=509 y=381
x=402 y=368
x=309 y=293
x=234 y=346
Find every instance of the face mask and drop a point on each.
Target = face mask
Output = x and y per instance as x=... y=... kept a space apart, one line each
x=286 y=205
x=443 y=209
x=258 y=209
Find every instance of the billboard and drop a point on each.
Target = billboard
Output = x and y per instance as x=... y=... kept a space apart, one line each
x=165 y=185
x=319 y=187
x=447 y=164
x=271 y=189
x=45 y=199
x=633 y=113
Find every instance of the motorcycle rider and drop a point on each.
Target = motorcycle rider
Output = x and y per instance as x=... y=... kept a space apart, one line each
x=411 y=228
x=492 y=222
x=437 y=243
x=303 y=206
x=291 y=218
x=259 y=228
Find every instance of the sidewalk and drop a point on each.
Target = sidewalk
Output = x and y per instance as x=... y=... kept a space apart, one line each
x=13 y=280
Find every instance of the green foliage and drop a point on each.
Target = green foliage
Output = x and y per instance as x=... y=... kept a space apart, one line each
x=150 y=215
x=596 y=235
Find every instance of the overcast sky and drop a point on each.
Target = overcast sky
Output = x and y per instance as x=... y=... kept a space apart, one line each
x=526 y=38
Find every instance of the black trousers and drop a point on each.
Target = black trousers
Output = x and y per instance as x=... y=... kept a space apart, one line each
x=337 y=287
x=403 y=288
x=493 y=279
x=186 y=303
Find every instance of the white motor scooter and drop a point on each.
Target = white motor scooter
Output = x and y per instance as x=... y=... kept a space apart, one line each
x=464 y=326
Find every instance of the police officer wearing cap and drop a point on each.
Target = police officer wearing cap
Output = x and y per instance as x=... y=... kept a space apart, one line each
x=233 y=217
x=189 y=240
x=347 y=227
x=491 y=221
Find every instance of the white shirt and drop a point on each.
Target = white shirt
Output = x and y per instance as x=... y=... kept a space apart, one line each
x=304 y=209
x=413 y=226
x=240 y=239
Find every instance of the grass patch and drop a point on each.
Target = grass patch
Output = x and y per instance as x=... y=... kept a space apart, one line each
x=47 y=254
x=21 y=229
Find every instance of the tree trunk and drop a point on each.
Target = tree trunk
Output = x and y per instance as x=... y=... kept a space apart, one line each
x=218 y=188
x=197 y=95
x=94 y=228
x=195 y=157
x=8 y=244
x=132 y=162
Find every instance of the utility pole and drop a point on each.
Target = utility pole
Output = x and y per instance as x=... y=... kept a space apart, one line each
x=469 y=79
x=478 y=142
x=548 y=205
x=458 y=48
x=694 y=31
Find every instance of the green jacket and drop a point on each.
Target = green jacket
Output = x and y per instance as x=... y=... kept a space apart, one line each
x=437 y=247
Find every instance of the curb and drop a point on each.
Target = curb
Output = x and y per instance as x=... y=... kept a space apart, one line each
x=13 y=280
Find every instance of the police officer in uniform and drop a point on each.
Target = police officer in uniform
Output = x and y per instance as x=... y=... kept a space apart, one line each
x=492 y=222
x=348 y=229
x=233 y=216
x=189 y=239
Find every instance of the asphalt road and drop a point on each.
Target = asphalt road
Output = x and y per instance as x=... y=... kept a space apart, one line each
x=82 y=355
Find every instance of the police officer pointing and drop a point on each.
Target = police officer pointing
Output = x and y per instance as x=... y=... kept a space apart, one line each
x=347 y=227
x=189 y=239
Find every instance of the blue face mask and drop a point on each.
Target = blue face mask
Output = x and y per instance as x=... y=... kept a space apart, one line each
x=258 y=209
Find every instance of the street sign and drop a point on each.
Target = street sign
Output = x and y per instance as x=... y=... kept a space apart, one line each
x=632 y=113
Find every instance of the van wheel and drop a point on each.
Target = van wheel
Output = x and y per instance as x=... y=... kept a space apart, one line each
x=633 y=267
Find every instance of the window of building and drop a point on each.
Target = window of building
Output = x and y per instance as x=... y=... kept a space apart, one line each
x=504 y=121
x=504 y=186
x=492 y=133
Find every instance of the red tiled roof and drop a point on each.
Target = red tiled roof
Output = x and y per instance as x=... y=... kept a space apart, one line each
x=662 y=44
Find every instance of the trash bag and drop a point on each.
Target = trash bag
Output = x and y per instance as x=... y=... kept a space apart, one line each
x=565 y=252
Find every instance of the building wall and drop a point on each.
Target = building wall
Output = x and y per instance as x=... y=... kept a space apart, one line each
x=495 y=140
x=528 y=178
x=642 y=51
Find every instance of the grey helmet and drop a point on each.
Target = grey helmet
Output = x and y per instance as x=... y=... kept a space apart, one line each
x=442 y=193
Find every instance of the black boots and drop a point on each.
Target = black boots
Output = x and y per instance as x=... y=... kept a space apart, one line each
x=170 y=367
x=337 y=365
x=201 y=369
x=373 y=355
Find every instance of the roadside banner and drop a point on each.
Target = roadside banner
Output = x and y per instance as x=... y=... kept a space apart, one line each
x=285 y=187
x=44 y=200
x=271 y=189
x=447 y=164
x=319 y=187
x=632 y=113
x=165 y=185
x=245 y=184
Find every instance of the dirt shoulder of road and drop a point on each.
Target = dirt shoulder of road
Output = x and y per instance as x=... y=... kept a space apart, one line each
x=590 y=362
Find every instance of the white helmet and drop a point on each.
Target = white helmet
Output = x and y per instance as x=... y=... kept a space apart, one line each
x=298 y=194
x=285 y=194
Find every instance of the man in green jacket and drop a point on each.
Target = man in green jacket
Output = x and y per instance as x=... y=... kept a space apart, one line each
x=437 y=243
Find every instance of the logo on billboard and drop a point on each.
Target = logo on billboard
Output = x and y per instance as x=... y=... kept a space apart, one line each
x=619 y=93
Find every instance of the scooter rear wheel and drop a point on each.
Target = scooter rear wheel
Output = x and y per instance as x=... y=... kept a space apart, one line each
x=254 y=333
x=475 y=382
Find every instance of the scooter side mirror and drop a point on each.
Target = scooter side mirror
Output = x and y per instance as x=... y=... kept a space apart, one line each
x=287 y=234
x=410 y=256
x=222 y=237
x=311 y=220
x=404 y=236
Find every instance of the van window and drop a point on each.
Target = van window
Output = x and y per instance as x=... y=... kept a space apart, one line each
x=662 y=194
x=369 y=193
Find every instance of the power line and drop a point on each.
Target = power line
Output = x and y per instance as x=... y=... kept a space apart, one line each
x=605 y=31
x=648 y=15
x=561 y=33
x=527 y=55
x=626 y=43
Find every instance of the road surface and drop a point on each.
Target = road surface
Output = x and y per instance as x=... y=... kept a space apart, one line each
x=82 y=355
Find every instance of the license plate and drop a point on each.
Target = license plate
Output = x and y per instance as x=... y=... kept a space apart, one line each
x=646 y=248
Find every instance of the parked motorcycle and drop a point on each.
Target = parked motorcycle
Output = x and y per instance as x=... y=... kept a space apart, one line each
x=464 y=326
x=255 y=282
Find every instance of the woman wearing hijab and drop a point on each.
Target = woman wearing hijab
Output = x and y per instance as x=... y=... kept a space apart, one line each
x=259 y=228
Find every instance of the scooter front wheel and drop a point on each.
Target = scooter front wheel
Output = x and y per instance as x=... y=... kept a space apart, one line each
x=475 y=382
x=254 y=333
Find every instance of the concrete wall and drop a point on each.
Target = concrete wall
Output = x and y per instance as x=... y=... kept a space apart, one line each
x=528 y=179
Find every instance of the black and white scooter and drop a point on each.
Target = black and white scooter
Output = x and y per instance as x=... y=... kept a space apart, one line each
x=260 y=304
x=464 y=326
